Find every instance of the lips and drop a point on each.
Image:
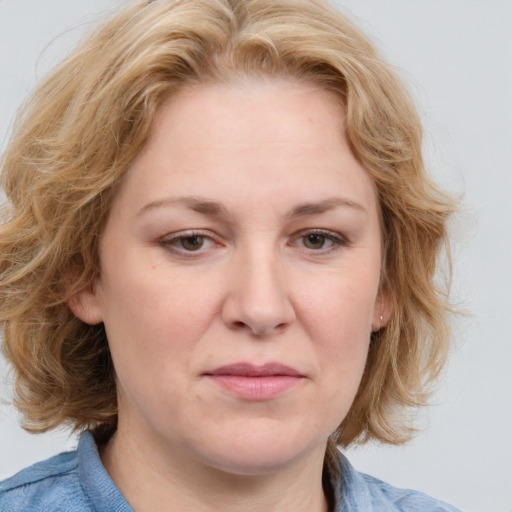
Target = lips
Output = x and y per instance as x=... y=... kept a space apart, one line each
x=252 y=382
x=249 y=370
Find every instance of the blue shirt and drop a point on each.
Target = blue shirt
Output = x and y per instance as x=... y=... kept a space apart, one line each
x=77 y=481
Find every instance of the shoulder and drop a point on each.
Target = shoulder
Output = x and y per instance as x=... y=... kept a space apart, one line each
x=356 y=491
x=49 y=485
x=405 y=499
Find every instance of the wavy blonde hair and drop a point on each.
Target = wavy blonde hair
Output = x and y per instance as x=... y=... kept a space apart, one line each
x=81 y=128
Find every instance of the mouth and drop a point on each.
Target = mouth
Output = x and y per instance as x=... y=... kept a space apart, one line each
x=255 y=383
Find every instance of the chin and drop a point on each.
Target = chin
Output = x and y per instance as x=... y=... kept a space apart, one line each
x=261 y=455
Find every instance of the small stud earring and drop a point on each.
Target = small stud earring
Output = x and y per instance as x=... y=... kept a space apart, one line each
x=381 y=321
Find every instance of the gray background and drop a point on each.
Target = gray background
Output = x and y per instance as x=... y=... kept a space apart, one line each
x=456 y=56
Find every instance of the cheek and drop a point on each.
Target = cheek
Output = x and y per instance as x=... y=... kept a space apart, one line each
x=338 y=317
x=153 y=320
x=341 y=306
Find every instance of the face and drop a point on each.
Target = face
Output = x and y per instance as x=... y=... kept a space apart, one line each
x=240 y=270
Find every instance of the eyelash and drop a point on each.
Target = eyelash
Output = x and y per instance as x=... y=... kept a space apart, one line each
x=171 y=244
x=336 y=239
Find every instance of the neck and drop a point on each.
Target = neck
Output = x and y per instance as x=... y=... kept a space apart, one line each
x=151 y=478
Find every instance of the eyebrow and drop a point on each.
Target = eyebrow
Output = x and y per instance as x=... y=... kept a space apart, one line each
x=315 y=208
x=215 y=209
x=196 y=204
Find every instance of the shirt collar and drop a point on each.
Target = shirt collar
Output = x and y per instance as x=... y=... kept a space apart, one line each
x=95 y=481
x=351 y=492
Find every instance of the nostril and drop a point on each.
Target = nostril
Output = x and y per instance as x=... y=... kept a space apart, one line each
x=239 y=325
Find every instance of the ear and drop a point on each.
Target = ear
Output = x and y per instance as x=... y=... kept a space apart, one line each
x=383 y=310
x=85 y=304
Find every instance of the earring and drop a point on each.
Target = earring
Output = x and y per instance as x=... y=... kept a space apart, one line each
x=374 y=333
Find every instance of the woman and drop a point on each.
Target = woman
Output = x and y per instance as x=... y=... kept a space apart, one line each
x=218 y=261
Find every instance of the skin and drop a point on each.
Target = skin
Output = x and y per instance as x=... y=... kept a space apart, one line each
x=244 y=231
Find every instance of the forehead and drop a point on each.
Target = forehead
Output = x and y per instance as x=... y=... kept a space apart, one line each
x=250 y=139
x=235 y=113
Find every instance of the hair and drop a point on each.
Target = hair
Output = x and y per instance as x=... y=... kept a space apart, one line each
x=77 y=134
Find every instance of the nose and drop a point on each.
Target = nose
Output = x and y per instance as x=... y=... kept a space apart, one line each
x=258 y=300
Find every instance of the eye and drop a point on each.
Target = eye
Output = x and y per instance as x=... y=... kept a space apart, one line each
x=319 y=240
x=192 y=243
x=316 y=241
x=187 y=242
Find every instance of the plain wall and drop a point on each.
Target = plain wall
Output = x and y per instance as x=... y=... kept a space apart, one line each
x=456 y=56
